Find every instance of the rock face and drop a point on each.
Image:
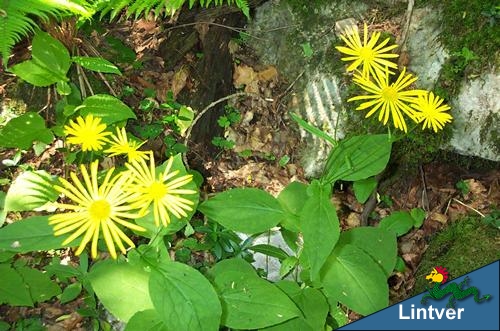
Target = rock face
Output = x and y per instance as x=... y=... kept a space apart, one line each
x=284 y=34
x=476 y=111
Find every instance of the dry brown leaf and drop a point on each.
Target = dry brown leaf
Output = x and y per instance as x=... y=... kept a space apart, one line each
x=438 y=217
x=353 y=220
x=179 y=80
x=268 y=74
x=245 y=75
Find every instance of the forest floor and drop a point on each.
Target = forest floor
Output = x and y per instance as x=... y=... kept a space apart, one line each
x=266 y=155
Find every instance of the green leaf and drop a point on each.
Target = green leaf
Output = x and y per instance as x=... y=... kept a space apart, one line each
x=418 y=215
x=311 y=302
x=184 y=119
x=292 y=199
x=184 y=298
x=71 y=292
x=108 y=108
x=358 y=157
x=380 y=244
x=12 y=289
x=351 y=277
x=247 y=210
x=363 y=188
x=4 y=326
x=30 y=190
x=313 y=130
x=40 y=286
x=269 y=250
x=111 y=280
x=31 y=234
x=22 y=131
x=34 y=73
x=288 y=265
x=248 y=301
x=50 y=53
x=399 y=222
x=307 y=49
x=320 y=227
x=96 y=64
x=63 y=88
x=146 y=320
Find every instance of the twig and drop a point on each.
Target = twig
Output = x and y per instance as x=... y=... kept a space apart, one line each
x=207 y=108
x=406 y=27
x=425 y=198
x=463 y=204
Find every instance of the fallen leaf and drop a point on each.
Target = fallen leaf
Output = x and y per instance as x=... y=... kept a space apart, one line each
x=179 y=80
x=268 y=74
x=438 y=217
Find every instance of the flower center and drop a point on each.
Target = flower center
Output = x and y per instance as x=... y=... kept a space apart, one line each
x=390 y=94
x=100 y=209
x=367 y=53
x=157 y=190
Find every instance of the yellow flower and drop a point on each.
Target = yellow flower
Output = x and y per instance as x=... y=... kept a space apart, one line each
x=88 y=132
x=373 y=57
x=390 y=99
x=95 y=207
x=431 y=110
x=163 y=190
x=121 y=145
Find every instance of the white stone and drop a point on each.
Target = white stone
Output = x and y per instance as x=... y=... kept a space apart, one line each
x=476 y=123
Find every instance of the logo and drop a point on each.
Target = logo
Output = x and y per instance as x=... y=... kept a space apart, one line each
x=439 y=276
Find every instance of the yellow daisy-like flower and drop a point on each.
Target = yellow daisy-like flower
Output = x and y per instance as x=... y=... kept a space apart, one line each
x=88 y=132
x=390 y=99
x=95 y=208
x=162 y=190
x=121 y=145
x=431 y=110
x=373 y=57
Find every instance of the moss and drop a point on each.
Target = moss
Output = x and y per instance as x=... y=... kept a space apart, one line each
x=465 y=245
x=471 y=36
x=487 y=134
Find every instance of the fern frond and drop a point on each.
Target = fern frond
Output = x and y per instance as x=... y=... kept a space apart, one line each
x=169 y=7
x=17 y=18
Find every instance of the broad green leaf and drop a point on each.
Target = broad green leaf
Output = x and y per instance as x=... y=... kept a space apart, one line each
x=311 y=302
x=351 y=277
x=292 y=199
x=4 y=326
x=248 y=301
x=12 y=289
x=50 y=53
x=288 y=265
x=184 y=119
x=96 y=64
x=108 y=108
x=63 y=88
x=31 y=234
x=357 y=158
x=22 y=131
x=399 y=222
x=184 y=298
x=320 y=227
x=363 y=188
x=35 y=74
x=122 y=288
x=339 y=316
x=40 y=286
x=269 y=250
x=380 y=244
x=71 y=292
x=247 y=210
x=418 y=215
x=30 y=190
x=146 y=320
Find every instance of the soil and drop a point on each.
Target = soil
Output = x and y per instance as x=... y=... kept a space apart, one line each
x=208 y=62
